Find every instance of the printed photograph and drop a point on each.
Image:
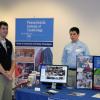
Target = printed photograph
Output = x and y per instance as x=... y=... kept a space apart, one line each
x=43 y=55
x=24 y=54
x=22 y=72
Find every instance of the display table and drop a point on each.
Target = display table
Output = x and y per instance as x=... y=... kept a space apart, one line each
x=67 y=94
x=30 y=94
x=64 y=94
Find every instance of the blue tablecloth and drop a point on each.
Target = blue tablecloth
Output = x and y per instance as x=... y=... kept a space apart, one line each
x=30 y=94
x=66 y=95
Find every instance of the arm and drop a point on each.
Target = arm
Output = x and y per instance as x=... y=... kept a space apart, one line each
x=4 y=73
x=12 y=67
x=64 y=57
x=13 y=63
x=2 y=70
x=86 y=51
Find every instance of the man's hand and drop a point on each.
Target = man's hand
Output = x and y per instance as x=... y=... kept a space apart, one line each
x=8 y=75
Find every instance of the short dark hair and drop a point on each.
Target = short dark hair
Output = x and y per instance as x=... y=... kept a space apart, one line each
x=75 y=29
x=3 y=23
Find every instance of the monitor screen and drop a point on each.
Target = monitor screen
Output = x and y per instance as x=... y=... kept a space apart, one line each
x=54 y=73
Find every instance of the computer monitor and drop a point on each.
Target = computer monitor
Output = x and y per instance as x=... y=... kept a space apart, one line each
x=54 y=74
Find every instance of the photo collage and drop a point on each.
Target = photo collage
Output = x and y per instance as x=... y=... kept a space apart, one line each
x=24 y=64
x=57 y=73
x=28 y=59
x=84 y=72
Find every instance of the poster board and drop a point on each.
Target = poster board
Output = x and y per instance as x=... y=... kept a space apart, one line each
x=34 y=44
x=84 y=72
x=96 y=83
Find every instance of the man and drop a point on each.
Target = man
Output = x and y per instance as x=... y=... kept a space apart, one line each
x=73 y=49
x=6 y=63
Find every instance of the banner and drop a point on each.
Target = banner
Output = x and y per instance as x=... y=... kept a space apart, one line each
x=34 y=43
x=34 y=30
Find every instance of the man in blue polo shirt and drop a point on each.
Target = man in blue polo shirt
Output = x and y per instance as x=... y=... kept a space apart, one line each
x=73 y=49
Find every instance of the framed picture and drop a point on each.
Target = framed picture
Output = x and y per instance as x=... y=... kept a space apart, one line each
x=84 y=72
x=96 y=64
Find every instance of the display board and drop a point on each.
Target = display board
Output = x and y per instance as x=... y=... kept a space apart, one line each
x=34 y=44
x=84 y=72
x=96 y=84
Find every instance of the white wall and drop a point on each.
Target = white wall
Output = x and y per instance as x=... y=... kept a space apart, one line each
x=84 y=14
